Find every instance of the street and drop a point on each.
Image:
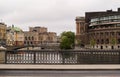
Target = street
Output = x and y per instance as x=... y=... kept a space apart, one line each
x=56 y=73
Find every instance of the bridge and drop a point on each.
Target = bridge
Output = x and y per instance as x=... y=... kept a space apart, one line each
x=61 y=56
x=60 y=63
x=27 y=47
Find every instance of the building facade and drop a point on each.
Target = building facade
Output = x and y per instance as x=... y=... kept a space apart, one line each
x=80 y=31
x=39 y=35
x=102 y=29
x=38 y=29
x=31 y=38
x=2 y=33
x=48 y=37
x=15 y=36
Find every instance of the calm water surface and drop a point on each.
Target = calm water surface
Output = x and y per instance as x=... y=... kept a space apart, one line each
x=39 y=73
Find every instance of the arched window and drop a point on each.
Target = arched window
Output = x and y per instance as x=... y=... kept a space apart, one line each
x=107 y=41
x=102 y=41
x=25 y=38
x=29 y=38
x=118 y=41
x=32 y=38
x=98 y=41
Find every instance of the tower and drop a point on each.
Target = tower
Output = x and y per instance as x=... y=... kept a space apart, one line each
x=80 y=25
x=80 y=30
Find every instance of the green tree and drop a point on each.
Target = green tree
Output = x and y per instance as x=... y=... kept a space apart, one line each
x=113 y=41
x=92 y=42
x=67 y=40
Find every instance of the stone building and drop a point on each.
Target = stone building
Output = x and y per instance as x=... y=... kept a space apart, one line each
x=38 y=29
x=80 y=31
x=102 y=29
x=48 y=37
x=3 y=27
x=31 y=38
x=15 y=36
x=39 y=35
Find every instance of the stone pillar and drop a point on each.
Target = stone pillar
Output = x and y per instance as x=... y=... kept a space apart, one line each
x=2 y=55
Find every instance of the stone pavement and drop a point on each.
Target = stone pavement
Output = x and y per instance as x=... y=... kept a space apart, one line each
x=58 y=67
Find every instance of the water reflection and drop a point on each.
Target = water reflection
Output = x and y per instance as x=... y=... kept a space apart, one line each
x=39 y=73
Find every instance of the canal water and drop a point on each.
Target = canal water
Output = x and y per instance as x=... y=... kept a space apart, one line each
x=45 y=73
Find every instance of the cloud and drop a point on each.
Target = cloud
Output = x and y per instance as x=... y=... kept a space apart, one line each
x=57 y=15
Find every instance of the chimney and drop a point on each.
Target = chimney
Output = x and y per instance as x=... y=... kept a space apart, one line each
x=12 y=26
x=118 y=9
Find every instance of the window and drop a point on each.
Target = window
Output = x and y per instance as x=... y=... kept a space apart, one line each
x=97 y=41
x=101 y=33
x=102 y=41
x=112 y=33
x=31 y=42
x=29 y=38
x=25 y=38
x=28 y=43
x=118 y=41
x=118 y=25
x=106 y=33
x=24 y=42
x=97 y=33
x=107 y=41
x=119 y=33
x=32 y=38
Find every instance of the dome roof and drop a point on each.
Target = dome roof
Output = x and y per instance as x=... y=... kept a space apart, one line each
x=17 y=29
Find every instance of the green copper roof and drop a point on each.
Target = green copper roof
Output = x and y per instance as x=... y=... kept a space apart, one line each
x=17 y=29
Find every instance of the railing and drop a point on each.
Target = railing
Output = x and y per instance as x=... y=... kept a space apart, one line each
x=63 y=57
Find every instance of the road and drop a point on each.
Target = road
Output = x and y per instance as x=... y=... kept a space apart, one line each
x=53 y=73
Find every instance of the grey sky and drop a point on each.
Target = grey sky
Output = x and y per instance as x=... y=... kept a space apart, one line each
x=56 y=15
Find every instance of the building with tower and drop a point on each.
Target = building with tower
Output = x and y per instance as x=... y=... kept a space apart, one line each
x=81 y=31
x=15 y=36
x=101 y=29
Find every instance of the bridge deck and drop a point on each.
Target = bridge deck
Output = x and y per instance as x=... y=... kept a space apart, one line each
x=58 y=67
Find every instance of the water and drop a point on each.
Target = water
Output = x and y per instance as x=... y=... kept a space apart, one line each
x=45 y=73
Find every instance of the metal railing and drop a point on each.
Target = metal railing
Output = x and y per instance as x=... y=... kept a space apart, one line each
x=62 y=57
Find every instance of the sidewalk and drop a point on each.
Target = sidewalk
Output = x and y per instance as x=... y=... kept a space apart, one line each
x=58 y=67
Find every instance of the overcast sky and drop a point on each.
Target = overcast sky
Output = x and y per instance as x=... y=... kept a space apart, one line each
x=56 y=15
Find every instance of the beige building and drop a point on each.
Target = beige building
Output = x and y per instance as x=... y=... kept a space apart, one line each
x=38 y=29
x=48 y=37
x=15 y=36
x=52 y=37
x=31 y=38
x=2 y=33
x=80 y=31
x=39 y=35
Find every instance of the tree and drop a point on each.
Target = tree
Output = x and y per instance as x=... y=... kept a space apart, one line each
x=92 y=42
x=113 y=41
x=67 y=40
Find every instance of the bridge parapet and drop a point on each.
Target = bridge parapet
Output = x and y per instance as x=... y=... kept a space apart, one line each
x=62 y=57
